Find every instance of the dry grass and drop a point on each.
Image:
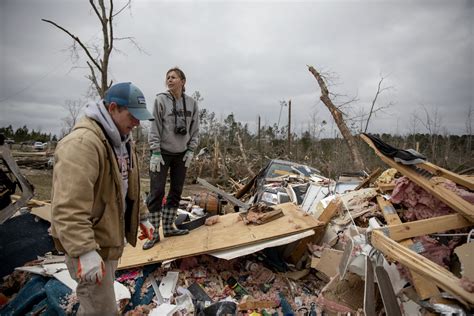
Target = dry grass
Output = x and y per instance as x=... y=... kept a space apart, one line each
x=42 y=181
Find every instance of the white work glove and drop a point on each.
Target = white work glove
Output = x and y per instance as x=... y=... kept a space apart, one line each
x=147 y=230
x=188 y=156
x=156 y=161
x=90 y=267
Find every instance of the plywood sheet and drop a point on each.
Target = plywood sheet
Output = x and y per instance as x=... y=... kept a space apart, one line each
x=43 y=212
x=229 y=233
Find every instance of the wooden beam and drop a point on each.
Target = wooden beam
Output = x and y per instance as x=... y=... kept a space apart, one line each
x=434 y=185
x=441 y=172
x=333 y=207
x=386 y=186
x=425 y=288
x=423 y=266
x=403 y=231
x=369 y=179
x=224 y=194
x=388 y=211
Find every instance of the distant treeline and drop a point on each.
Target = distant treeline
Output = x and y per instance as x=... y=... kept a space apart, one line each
x=229 y=140
x=23 y=134
x=233 y=149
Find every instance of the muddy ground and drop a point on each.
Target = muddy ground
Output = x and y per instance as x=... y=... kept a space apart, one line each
x=42 y=181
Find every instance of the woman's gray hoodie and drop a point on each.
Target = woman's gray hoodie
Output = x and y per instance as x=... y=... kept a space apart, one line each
x=162 y=136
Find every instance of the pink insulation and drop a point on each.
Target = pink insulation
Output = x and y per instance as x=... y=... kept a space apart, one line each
x=422 y=205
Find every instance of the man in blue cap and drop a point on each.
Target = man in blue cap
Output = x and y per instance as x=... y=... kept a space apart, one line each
x=96 y=205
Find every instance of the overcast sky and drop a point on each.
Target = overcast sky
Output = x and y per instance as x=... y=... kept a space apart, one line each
x=244 y=57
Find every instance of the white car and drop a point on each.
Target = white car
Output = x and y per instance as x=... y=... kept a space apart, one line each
x=39 y=146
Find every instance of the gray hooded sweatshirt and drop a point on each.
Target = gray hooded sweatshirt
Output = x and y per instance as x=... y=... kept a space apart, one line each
x=98 y=112
x=162 y=136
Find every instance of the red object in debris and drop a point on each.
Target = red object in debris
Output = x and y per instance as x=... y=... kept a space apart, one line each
x=3 y=299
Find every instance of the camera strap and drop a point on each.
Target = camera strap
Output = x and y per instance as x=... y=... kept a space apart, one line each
x=176 y=112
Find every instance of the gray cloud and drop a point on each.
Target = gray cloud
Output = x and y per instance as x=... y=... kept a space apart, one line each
x=245 y=57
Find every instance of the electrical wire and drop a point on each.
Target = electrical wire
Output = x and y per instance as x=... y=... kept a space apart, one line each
x=34 y=82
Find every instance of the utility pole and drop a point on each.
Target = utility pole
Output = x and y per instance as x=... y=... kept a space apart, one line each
x=289 y=126
x=260 y=143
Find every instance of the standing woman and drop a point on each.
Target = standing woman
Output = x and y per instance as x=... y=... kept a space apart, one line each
x=173 y=138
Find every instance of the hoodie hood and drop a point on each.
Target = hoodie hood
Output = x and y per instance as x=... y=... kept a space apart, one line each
x=98 y=112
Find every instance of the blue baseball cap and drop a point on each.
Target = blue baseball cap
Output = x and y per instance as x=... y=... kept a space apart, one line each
x=128 y=95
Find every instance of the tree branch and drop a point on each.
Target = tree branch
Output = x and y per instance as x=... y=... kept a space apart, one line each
x=373 y=104
x=93 y=78
x=123 y=8
x=338 y=118
x=77 y=40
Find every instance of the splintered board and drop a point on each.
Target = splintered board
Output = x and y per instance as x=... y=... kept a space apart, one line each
x=230 y=232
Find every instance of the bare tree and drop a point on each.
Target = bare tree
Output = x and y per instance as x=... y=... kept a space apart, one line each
x=432 y=123
x=339 y=119
x=413 y=128
x=373 y=109
x=74 y=109
x=98 y=58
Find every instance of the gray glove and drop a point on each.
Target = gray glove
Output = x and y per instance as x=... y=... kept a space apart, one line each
x=188 y=156
x=156 y=161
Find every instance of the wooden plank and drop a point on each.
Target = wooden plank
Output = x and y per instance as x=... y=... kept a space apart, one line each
x=403 y=231
x=388 y=211
x=423 y=287
x=43 y=212
x=333 y=207
x=240 y=193
x=228 y=233
x=224 y=194
x=441 y=172
x=386 y=186
x=25 y=186
x=423 y=266
x=369 y=179
x=434 y=185
x=31 y=202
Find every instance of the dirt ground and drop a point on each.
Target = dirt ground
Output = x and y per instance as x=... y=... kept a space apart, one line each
x=42 y=181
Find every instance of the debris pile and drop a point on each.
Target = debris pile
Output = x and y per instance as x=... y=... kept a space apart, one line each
x=398 y=242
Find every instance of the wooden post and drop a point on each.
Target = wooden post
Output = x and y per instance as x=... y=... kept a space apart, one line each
x=216 y=158
x=289 y=126
x=260 y=143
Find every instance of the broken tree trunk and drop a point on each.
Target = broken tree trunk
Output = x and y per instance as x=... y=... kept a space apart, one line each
x=244 y=156
x=341 y=124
